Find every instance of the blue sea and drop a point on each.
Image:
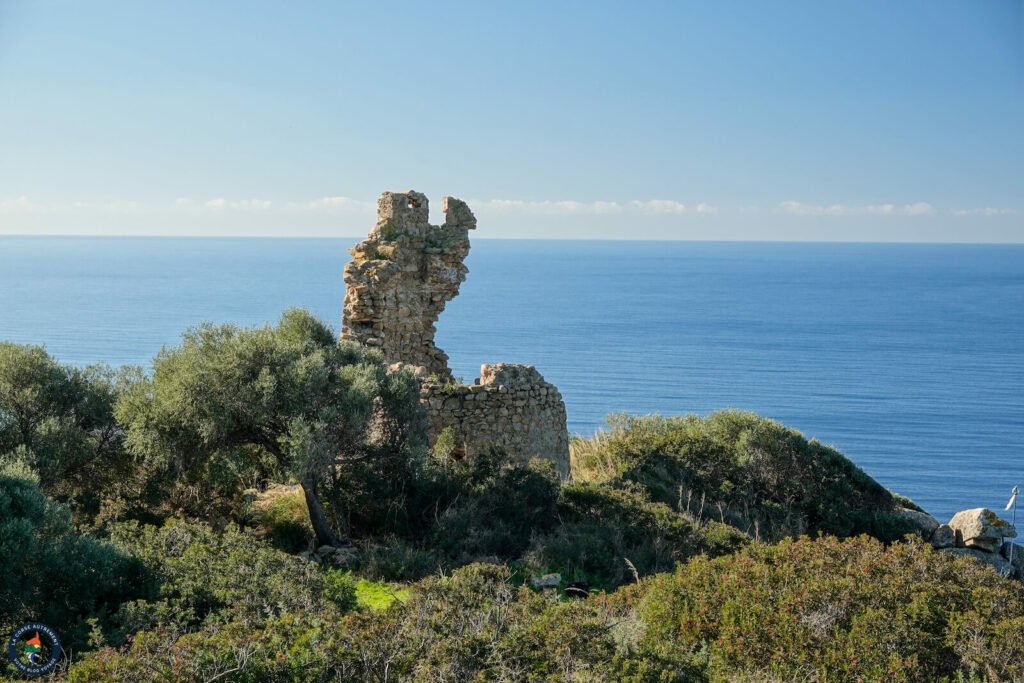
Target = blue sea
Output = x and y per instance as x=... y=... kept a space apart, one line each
x=907 y=358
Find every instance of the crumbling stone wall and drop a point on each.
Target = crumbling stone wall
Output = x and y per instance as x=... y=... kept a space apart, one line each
x=398 y=282
x=510 y=406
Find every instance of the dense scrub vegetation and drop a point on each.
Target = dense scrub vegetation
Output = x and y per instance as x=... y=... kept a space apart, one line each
x=840 y=610
x=807 y=610
x=164 y=524
x=750 y=472
x=50 y=573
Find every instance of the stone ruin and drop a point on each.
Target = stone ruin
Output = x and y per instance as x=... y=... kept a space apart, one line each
x=977 y=533
x=396 y=285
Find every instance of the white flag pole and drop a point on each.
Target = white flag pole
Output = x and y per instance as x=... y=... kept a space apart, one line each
x=1013 y=502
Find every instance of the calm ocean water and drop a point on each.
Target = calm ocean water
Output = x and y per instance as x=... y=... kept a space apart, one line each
x=908 y=358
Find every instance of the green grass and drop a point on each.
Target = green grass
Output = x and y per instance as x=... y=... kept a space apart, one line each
x=377 y=595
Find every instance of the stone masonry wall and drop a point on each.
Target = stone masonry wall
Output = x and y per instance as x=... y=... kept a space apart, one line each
x=511 y=406
x=402 y=275
x=398 y=282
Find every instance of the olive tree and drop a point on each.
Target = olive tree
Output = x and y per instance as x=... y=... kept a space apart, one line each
x=291 y=392
x=59 y=420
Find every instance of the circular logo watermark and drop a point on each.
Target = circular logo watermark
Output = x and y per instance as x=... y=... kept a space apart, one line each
x=34 y=648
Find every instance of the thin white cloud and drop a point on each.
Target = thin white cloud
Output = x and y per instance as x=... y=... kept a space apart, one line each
x=653 y=207
x=335 y=205
x=987 y=211
x=918 y=209
x=193 y=206
x=348 y=206
x=329 y=205
x=659 y=206
x=800 y=209
x=547 y=207
x=19 y=205
x=221 y=204
x=116 y=206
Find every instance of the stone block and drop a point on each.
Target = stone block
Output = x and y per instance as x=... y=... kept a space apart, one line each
x=943 y=536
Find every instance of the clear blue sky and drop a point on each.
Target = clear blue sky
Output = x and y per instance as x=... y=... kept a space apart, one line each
x=839 y=120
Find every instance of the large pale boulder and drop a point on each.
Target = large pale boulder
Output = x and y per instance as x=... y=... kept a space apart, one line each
x=922 y=520
x=981 y=529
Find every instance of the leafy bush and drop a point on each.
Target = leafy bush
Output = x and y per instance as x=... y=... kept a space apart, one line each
x=493 y=507
x=473 y=625
x=487 y=505
x=747 y=471
x=460 y=511
x=59 y=420
x=398 y=559
x=50 y=574
x=837 y=610
x=603 y=527
x=198 y=575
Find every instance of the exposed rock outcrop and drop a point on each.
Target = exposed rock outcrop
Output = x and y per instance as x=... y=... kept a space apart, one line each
x=398 y=282
x=925 y=523
x=1015 y=555
x=981 y=528
x=994 y=560
x=979 y=533
x=943 y=537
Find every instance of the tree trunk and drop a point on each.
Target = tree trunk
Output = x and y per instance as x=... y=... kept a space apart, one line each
x=324 y=533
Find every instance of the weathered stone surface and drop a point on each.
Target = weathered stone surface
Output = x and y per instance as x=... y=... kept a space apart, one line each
x=1016 y=558
x=330 y=555
x=994 y=560
x=492 y=414
x=396 y=286
x=922 y=520
x=943 y=536
x=402 y=275
x=547 y=581
x=982 y=529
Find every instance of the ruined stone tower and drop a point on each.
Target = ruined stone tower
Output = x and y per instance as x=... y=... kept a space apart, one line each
x=398 y=282
x=402 y=275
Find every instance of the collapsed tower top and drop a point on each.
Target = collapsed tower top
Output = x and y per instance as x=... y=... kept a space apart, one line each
x=402 y=275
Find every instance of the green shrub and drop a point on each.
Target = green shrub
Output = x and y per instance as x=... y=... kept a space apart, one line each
x=493 y=507
x=603 y=527
x=825 y=610
x=753 y=473
x=838 y=610
x=396 y=559
x=198 y=575
x=476 y=624
x=456 y=512
x=49 y=573
x=488 y=505
x=59 y=420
